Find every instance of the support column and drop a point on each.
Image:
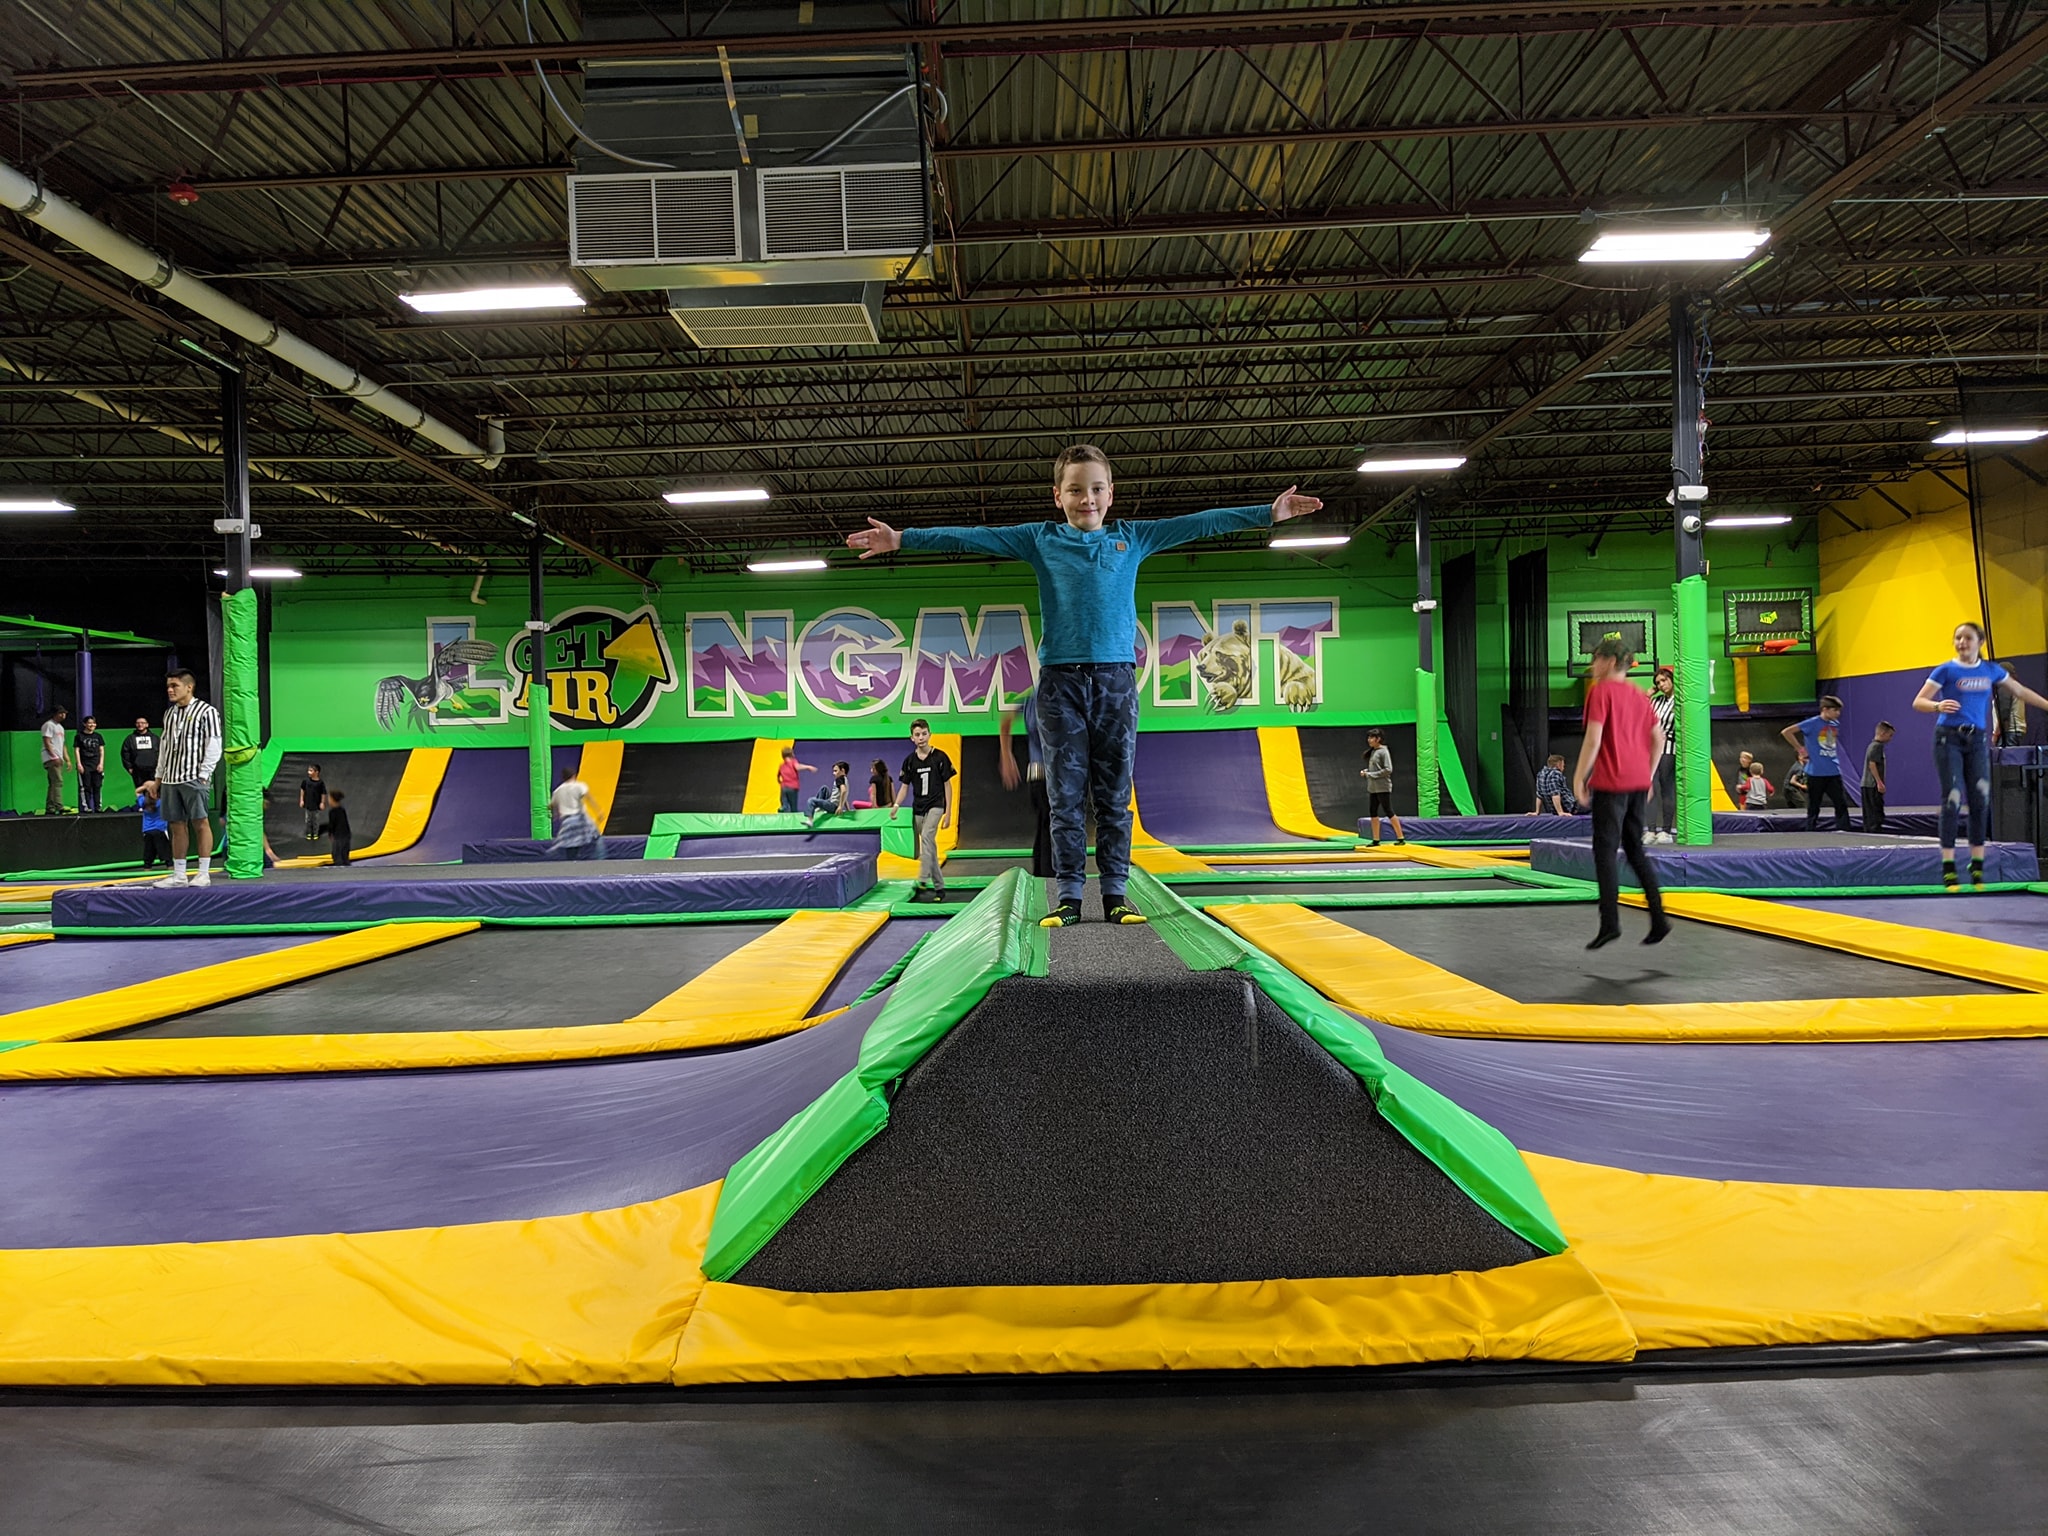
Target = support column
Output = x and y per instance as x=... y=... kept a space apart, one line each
x=240 y=706
x=539 y=751
x=83 y=692
x=1695 y=819
x=1426 y=797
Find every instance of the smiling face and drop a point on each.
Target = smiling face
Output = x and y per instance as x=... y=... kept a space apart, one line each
x=1968 y=644
x=1083 y=494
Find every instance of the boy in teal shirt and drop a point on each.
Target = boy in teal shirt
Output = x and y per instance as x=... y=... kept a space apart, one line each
x=1087 y=682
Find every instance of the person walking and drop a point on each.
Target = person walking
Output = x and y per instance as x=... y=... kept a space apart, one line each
x=54 y=757
x=1820 y=753
x=89 y=755
x=1873 y=777
x=576 y=831
x=1617 y=759
x=1959 y=695
x=926 y=782
x=183 y=781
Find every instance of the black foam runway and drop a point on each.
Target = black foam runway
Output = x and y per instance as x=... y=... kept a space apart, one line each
x=496 y=978
x=1331 y=756
x=990 y=815
x=1537 y=954
x=1126 y=1121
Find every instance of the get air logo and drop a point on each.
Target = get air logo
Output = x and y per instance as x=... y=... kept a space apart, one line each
x=1768 y=617
x=606 y=670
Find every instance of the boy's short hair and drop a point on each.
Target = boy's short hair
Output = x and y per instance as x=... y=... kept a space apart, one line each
x=917 y=724
x=1829 y=701
x=842 y=767
x=789 y=751
x=184 y=672
x=1375 y=735
x=92 y=719
x=336 y=795
x=1614 y=648
x=1080 y=453
x=1555 y=757
x=1886 y=725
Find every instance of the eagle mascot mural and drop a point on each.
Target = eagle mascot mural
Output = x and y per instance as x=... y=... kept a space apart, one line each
x=447 y=675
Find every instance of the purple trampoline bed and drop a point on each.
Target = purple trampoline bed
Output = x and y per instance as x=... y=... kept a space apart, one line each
x=1777 y=860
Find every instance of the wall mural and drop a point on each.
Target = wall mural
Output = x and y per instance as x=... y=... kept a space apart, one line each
x=606 y=670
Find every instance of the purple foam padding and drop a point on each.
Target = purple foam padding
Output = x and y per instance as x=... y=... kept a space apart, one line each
x=1951 y=1114
x=1222 y=865
x=482 y=796
x=190 y=1160
x=34 y=974
x=1909 y=761
x=833 y=881
x=1205 y=787
x=529 y=850
x=888 y=946
x=1517 y=829
x=2010 y=917
x=744 y=843
x=1914 y=823
x=1739 y=867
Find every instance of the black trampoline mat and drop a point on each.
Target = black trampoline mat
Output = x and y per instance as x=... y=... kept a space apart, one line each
x=1537 y=954
x=496 y=978
x=368 y=782
x=567 y=869
x=707 y=777
x=1337 y=886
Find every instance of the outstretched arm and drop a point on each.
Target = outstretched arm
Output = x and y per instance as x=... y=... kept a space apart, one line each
x=1159 y=533
x=878 y=538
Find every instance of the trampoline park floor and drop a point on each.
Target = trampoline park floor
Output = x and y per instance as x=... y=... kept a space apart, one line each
x=1928 y=1435
x=568 y=869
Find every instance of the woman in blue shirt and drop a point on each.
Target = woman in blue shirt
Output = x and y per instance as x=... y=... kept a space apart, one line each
x=1958 y=693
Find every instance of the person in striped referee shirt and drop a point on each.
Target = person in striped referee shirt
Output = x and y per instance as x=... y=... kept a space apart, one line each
x=189 y=753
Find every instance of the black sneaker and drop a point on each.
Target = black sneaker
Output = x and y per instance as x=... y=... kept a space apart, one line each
x=1976 y=874
x=1948 y=876
x=1065 y=915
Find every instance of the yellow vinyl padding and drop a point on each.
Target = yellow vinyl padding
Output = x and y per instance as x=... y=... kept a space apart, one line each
x=588 y=1300
x=7 y=940
x=1717 y=792
x=759 y=991
x=1695 y=1263
x=764 y=794
x=412 y=806
x=1386 y=983
x=24 y=895
x=1382 y=855
x=207 y=986
x=894 y=866
x=1457 y=858
x=1547 y=1309
x=598 y=767
x=1287 y=797
x=1928 y=949
x=1158 y=859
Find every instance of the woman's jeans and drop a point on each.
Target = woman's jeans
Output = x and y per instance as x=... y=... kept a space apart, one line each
x=1962 y=761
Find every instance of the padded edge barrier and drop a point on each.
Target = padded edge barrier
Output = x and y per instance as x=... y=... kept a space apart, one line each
x=994 y=936
x=1287 y=796
x=1472 y=1154
x=1374 y=978
x=7 y=940
x=1546 y=1309
x=168 y=996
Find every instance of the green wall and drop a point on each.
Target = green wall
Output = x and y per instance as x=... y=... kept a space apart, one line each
x=21 y=773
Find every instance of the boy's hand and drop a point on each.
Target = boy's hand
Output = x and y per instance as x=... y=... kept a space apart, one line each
x=1289 y=503
x=878 y=538
x=945 y=820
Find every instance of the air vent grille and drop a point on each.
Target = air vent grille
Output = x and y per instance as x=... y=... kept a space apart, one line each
x=632 y=220
x=780 y=325
x=864 y=210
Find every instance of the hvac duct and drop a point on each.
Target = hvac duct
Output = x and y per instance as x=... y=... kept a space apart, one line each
x=796 y=185
x=29 y=198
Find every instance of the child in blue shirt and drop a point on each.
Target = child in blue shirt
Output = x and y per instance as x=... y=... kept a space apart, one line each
x=156 y=832
x=1087 y=700
x=1821 y=752
x=1958 y=693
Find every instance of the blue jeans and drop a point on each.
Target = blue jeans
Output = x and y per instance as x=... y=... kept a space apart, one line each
x=1088 y=736
x=1962 y=761
x=788 y=806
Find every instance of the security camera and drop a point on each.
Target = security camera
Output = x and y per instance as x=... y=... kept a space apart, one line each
x=1690 y=522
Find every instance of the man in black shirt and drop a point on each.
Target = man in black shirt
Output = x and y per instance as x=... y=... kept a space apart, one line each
x=89 y=754
x=138 y=752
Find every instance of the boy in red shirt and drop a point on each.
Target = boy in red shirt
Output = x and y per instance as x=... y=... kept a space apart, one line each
x=1619 y=759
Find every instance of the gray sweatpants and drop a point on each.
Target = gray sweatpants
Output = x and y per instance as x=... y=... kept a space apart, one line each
x=929 y=871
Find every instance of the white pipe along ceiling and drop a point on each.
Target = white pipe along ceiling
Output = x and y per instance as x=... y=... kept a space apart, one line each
x=28 y=197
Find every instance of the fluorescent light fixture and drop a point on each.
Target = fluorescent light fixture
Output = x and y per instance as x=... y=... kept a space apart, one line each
x=523 y=296
x=1409 y=465
x=708 y=498
x=1308 y=541
x=1957 y=435
x=264 y=572
x=21 y=501
x=1708 y=243
x=1760 y=520
x=772 y=567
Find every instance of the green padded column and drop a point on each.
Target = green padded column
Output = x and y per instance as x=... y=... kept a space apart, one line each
x=1426 y=797
x=1695 y=820
x=241 y=726
x=539 y=751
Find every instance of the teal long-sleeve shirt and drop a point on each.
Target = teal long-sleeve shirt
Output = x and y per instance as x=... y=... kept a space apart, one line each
x=1088 y=582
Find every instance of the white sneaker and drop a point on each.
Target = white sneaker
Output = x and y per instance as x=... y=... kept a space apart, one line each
x=170 y=882
x=204 y=877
